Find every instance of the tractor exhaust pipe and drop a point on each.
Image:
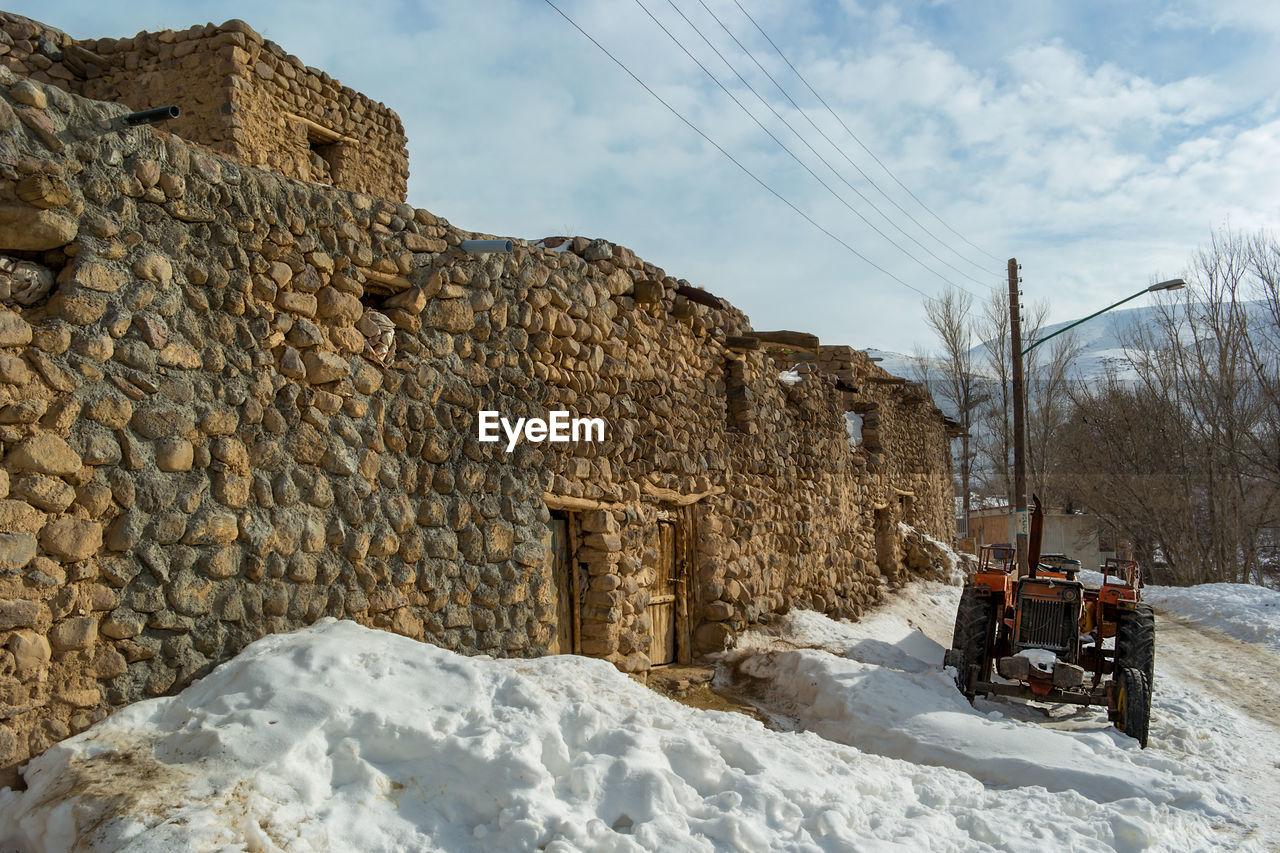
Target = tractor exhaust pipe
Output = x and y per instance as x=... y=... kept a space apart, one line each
x=1037 y=532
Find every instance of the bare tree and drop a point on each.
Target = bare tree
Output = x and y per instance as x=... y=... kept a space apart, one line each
x=950 y=317
x=995 y=440
x=1048 y=408
x=995 y=414
x=1185 y=458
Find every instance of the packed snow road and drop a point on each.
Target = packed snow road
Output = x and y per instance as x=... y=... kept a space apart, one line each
x=340 y=737
x=1233 y=677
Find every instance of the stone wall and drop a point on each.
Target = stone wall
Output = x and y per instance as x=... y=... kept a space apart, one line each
x=239 y=94
x=205 y=439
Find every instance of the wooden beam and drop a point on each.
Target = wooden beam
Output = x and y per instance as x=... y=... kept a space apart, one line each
x=395 y=283
x=698 y=295
x=569 y=502
x=321 y=133
x=801 y=340
x=741 y=343
x=82 y=61
x=677 y=498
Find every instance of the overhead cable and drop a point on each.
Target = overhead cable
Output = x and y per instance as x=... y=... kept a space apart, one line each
x=840 y=150
x=859 y=141
x=815 y=153
x=791 y=153
x=731 y=158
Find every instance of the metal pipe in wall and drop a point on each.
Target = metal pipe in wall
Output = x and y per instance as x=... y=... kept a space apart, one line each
x=150 y=116
x=480 y=247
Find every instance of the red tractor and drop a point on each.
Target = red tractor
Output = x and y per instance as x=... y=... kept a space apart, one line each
x=1053 y=639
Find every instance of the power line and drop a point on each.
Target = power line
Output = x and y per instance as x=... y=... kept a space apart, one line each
x=856 y=139
x=732 y=159
x=791 y=153
x=814 y=151
x=829 y=140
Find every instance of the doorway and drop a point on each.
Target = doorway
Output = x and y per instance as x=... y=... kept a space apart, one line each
x=667 y=557
x=559 y=539
x=886 y=528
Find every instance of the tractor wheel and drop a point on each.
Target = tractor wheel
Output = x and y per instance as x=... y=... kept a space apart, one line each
x=1136 y=643
x=1134 y=705
x=969 y=642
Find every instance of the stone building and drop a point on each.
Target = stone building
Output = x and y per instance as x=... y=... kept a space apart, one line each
x=239 y=94
x=233 y=401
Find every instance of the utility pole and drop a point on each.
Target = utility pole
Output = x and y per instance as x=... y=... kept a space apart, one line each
x=1019 y=429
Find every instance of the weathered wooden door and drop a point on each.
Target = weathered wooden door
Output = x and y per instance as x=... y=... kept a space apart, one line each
x=561 y=584
x=662 y=595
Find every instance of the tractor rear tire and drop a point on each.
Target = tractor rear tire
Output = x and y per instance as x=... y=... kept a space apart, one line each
x=969 y=641
x=1136 y=643
x=1134 y=704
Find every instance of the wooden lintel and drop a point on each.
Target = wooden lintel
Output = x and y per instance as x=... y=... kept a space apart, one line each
x=741 y=343
x=905 y=493
x=886 y=380
x=319 y=131
x=395 y=283
x=678 y=498
x=698 y=295
x=799 y=340
x=571 y=503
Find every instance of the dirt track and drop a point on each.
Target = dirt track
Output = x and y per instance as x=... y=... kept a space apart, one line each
x=1240 y=674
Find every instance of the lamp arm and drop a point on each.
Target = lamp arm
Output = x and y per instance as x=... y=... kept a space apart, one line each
x=1035 y=344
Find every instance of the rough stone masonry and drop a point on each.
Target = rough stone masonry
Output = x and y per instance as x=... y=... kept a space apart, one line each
x=234 y=401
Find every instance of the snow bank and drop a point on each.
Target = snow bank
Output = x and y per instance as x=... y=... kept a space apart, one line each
x=876 y=685
x=343 y=738
x=1247 y=612
x=339 y=737
x=885 y=692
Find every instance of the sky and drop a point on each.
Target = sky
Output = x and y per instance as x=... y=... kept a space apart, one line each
x=1099 y=143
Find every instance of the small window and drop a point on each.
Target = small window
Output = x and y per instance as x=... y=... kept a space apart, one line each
x=853 y=429
x=322 y=159
x=739 y=401
x=325 y=147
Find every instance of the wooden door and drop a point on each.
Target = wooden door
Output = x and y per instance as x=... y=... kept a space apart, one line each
x=561 y=584
x=662 y=595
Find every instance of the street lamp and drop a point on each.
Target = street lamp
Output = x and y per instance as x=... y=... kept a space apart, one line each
x=1019 y=429
x=1171 y=284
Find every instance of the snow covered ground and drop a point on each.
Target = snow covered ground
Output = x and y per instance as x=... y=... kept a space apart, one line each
x=1210 y=778
x=1250 y=613
x=343 y=738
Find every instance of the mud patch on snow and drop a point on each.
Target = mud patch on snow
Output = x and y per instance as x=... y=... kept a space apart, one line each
x=116 y=774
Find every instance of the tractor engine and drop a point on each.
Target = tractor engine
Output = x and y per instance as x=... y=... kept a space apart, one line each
x=1045 y=641
x=1047 y=616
